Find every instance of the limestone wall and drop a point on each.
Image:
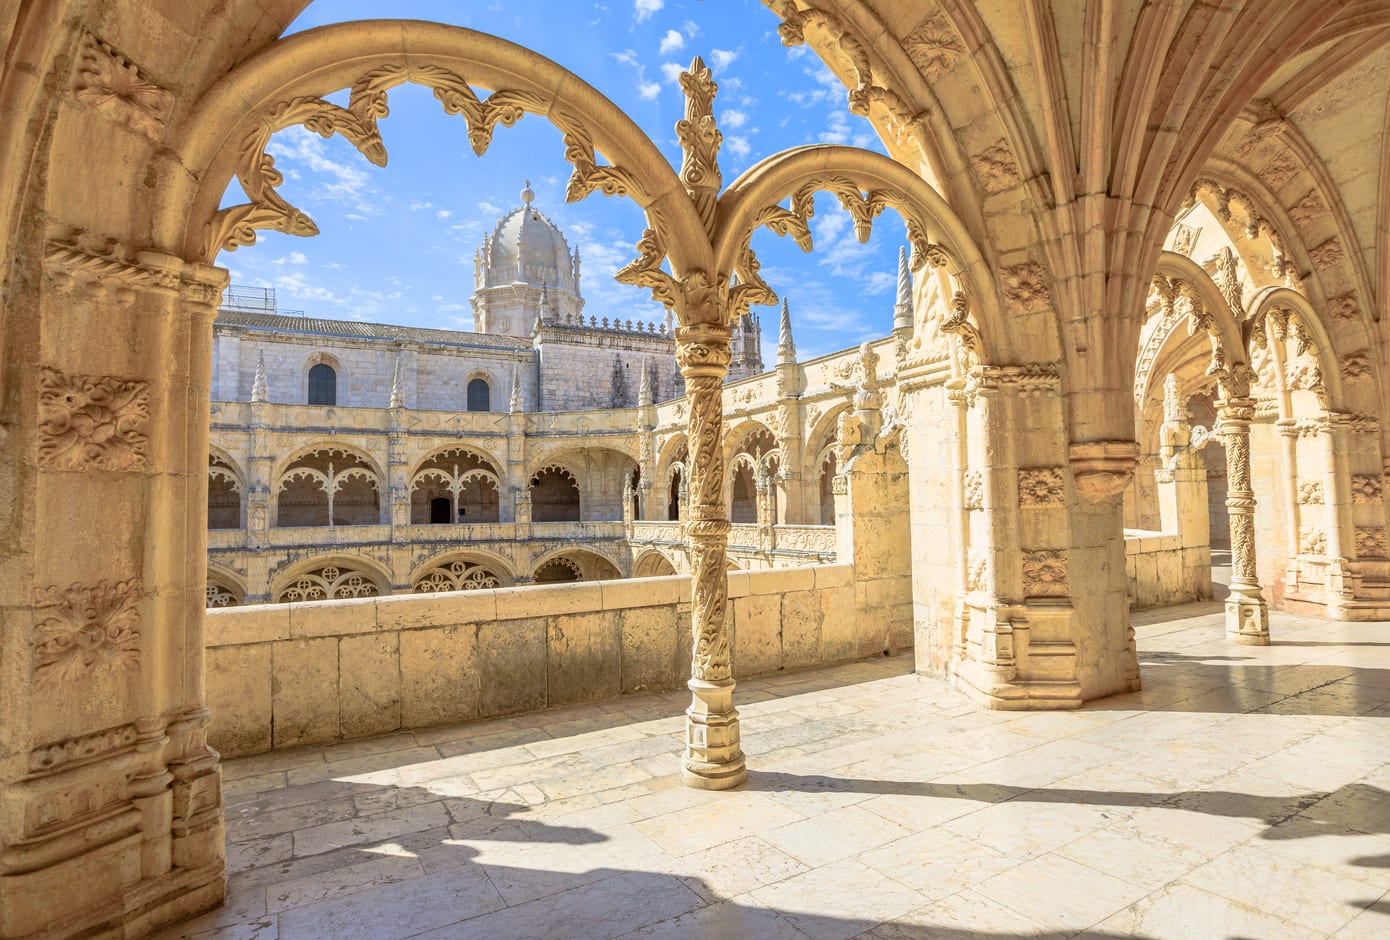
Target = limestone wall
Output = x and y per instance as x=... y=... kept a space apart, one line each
x=281 y=675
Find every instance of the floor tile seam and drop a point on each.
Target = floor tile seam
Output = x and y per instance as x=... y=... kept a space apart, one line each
x=1245 y=906
x=1067 y=930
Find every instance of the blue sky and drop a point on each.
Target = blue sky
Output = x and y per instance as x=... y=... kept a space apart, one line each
x=397 y=243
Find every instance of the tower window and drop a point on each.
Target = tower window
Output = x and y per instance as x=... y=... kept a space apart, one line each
x=323 y=385
x=479 y=395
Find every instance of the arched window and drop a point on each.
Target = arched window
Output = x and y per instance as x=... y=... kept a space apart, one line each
x=479 y=395
x=323 y=385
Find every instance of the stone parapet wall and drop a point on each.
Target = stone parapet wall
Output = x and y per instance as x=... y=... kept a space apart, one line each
x=281 y=675
x=1162 y=570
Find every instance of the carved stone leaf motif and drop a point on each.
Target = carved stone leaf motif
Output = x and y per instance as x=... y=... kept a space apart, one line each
x=1312 y=542
x=1279 y=170
x=108 y=83
x=1025 y=288
x=1356 y=366
x=80 y=629
x=977 y=571
x=1370 y=541
x=1328 y=254
x=92 y=421
x=1045 y=573
x=1366 y=488
x=974 y=489
x=934 y=47
x=997 y=168
x=1040 y=486
x=1343 y=308
x=1310 y=494
x=1308 y=209
x=645 y=270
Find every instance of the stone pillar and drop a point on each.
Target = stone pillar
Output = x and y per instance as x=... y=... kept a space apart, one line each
x=1247 y=617
x=110 y=798
x=713 y=757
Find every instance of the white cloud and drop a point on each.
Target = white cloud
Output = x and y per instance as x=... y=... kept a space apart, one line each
x=672 y=71
x=488 y=208
x=671 y=42
x=733 y=118
x=443 y=214
x=647 y=90
x=645 y=8
x=339 y=182
x=723 y=58
x=294 y=257
x=417 y=205
x=738 y=146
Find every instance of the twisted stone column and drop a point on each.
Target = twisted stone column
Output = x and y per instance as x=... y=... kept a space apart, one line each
x=1247 y=617
x=713 y=757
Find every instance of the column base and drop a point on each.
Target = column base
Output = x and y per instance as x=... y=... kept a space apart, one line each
x=1247 y=616
x=713 y=758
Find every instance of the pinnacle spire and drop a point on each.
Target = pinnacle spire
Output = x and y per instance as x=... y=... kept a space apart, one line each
x=260 y=388
x=397 y=392
x=786 y=349
x=902 y=310
x=644 y=390
x=516 y=404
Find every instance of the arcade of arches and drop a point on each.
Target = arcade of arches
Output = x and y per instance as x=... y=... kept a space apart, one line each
x=1149 y=266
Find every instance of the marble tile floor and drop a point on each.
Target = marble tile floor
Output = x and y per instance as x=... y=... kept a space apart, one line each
x=1244 y=793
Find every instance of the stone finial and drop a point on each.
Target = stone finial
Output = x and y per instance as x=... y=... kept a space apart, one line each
x=527 y=194
x=786 y=349
x=397 y=392
x=260 y=388
x=516 y=404
x=644 y=389
x=902 y=310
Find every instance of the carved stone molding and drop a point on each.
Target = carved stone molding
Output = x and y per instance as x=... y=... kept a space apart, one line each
x=80 y=629
x=1279 y=170
x=1040 y=487
x=977 y=571
x=92 y=422
x=1045 y=573
x=974 y=490
x=1025 y=287
x=934 y=47
x=1370 y=541
x=1310 y=494
x=1367 y=488
x=1308 y=209
x=1102 y=469
x=80 y=750
x=118 y=272
x=112 y=86
x=997 y=168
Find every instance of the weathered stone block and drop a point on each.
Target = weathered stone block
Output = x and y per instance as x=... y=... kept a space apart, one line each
x=641 y=592
x=369 y=684
x=839 y=624
x=333 y=618
x=584 y=657
x=439 y=675
x=239 y=680
x=651 y=648
x=757 y=635
x=305 y=691
x=801 y=628
x=511 y=666
x=547 y=600
x=414 y=611
x=235 y=625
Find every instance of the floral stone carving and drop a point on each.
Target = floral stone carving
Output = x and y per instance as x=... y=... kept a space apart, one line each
x=1040 y=486
x=997 y=168
x=1370 y=541
x=80 y=629
x=92 y=421
x=1310 y=494
x=1045 y=573
x=1025 y=288
x=934 y=47
x=1366 y=488
x=974 y=489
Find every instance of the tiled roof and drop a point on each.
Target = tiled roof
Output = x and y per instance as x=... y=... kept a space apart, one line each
x=354 y=329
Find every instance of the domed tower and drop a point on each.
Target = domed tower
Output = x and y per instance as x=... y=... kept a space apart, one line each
x=524 y=271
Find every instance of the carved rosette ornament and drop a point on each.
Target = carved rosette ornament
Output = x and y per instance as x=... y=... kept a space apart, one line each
x=1367 y=488
x=1045 y=573
x=997 y=168
x=1247 y=617
x=81 y=629
x=1040 y=487
x=1025 y=288
x=1370 y=541
x=92 y=422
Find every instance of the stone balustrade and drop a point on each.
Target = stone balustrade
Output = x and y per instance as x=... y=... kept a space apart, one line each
x=1162 y=569
x=281 y=675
